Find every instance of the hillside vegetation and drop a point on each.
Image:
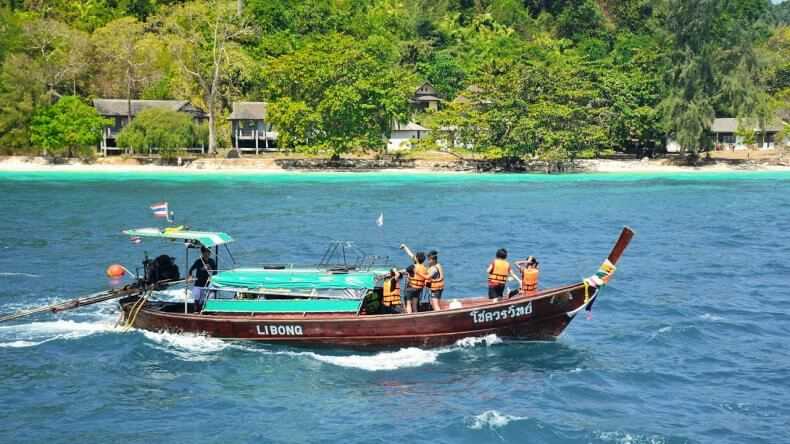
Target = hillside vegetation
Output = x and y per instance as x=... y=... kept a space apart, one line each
x=552 y=78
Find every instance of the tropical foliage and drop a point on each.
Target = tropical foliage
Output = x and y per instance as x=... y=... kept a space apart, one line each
x=67 y=128
x=168 y=131
x=550 y=78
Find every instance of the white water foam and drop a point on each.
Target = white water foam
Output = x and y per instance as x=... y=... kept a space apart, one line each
x=187 y=347
x=410 y=357
x=491 y=419
x=627 y=438
x=36 y=333
x=403 y=358
x=11 y=274
x=710 y=317
x=173 y=294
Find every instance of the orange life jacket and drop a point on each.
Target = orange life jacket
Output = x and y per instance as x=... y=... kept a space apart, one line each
x=391 y=292
x=500 y=270
x=436 y=284
x=529 y=281
x=420 y=276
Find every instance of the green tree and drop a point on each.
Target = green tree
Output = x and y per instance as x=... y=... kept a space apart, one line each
x=713 y=66
x=67 y=127
x=166 y=131
x=205 y=39
x=349 y=93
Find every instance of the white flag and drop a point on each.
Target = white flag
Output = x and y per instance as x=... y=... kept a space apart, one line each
x=380 y=220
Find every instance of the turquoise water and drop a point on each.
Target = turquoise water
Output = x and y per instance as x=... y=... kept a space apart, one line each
x=688 y=343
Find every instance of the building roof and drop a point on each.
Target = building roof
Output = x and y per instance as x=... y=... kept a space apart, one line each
x=120 y=107
x=411 y=126
x=248 y=111
x=425 y=88
x=730 y=125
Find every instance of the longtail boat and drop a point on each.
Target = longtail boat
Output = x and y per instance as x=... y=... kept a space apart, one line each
x=327 y=304
x=340 y=322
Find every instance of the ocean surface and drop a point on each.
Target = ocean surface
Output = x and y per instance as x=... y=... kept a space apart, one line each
x=689 y=343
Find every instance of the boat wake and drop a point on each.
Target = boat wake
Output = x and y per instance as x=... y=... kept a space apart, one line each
x=36 y=333
x=491 y=419
x=187 y=347
x=12 y=274
x=410 y=357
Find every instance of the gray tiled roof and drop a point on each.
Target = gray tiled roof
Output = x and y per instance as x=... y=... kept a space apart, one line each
x=248 y=111
x=120 y=107
x=730 y=125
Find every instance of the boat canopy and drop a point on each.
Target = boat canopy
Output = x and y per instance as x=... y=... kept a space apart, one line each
x=293 y=279
x=206 y=238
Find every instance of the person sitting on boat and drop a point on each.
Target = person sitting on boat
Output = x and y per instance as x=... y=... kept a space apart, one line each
x=417 y=277
x=529 y=275
x=203 y=267
x=498 y=274
x=390 y=300
x=435 y=281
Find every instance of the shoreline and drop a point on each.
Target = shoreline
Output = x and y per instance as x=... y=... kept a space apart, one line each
x=269 y=166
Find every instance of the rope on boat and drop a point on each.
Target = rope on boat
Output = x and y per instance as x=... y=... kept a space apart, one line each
x=135 y=310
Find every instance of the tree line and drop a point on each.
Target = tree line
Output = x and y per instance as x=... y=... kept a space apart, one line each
x=551 y=78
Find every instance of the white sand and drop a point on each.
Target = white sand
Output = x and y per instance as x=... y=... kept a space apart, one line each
x=268 y=166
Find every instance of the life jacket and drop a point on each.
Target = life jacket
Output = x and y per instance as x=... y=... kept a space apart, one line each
x=500 y=269
x=391 y=291
x=529 y=281
x=437 y=283
x=418 y=278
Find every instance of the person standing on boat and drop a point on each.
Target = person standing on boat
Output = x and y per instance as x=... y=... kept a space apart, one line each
x=203 y=267
x=529 y=275
x=435 y=281
x=498 y=274
x=417 y=276
x=390 y=300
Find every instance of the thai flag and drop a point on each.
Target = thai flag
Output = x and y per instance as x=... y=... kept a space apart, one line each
x=160 y=210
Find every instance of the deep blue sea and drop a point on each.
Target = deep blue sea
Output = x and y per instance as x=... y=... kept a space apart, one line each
x=689 y=343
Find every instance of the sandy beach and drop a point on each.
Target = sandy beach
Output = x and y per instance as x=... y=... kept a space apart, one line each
x=273 y=165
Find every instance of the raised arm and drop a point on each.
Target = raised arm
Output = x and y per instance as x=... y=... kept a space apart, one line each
x=407 y=251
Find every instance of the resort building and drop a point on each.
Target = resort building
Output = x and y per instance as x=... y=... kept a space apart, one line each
x=117 y=110
x=730 y=134
x=425 y=98
x=725 y=134
x=250 y=131
x=404 y=134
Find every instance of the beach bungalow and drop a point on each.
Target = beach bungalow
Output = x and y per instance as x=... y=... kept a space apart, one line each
x=728 y=135
x=425 y=98
x=250 y=132
x=725 y=133
x=404 y=134
x=117 y=110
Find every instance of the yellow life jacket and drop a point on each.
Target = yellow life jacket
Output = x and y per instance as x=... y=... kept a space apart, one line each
x=529 y=281
x=500 y=270
x=419 y=278
x=436 y=284
x=391 y=292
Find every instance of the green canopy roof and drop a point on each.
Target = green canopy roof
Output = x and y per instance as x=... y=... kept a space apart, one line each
x=206 y=238
x=255 y=278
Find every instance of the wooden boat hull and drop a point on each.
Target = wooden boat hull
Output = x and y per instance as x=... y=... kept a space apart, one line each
x=541 y=317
